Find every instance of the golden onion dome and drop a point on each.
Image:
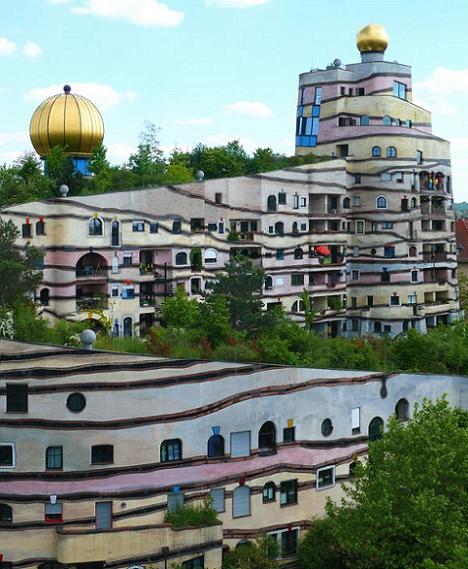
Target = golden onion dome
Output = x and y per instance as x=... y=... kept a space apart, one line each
x=372 y=38
x=71 y=121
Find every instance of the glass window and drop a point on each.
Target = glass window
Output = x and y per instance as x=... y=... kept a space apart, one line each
x=282 y=198
x=412 y=298
x=76 y=402
x=218 y=499
x=389 y=251
x=95 y=226
x=195 y=563
x=387 y=121
x=394 y=300
x=53 y=513
x=289 y=434
x=357 y=201
x=181 y=258
x=271 y=203
x=325 y=477
x=269 y=492
x=381 y=202
x=318 y=95
x=267 y=436
x=280 y=254
x=376 y=151
x=138 y=225
x=375 y=430
x=40 y=227
x=7 y=455
x=327 y=427
x=171 y=450
x=402 y=410
x=289 y=540
x=215 y=446
x=297 y=280
x=218 y=198
x=26 y=230
x=102 y=454
x=17 y=398
x=387 y=225
x=288 y=492
x=364 y=120
x=391 y=152
x=54 y=458
x=419 y=157
x=414 y=276
x=399 y=90
x=356 y=420
x=177 y=227
x=241 y=502
x=6 y=513
x=360 y=226
x=154 y=227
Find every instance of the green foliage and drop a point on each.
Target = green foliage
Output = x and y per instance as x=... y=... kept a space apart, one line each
x=179 y=311
x=407 y=505
x=24 y=181
x=193 y=516
x=239 y=352
x=99 y=166
x=130 y=345
x=60 y=170
x=196 y=259
x=215 y=322
x=261 y=554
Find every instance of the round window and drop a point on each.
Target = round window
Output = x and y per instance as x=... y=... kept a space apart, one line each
x=373 y=251
x=76 y=402
x=327 y=427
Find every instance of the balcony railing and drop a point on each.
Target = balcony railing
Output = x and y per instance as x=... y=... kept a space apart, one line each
x=434 y=257
x=91 y=303
x=90 y=271
x=147 y=299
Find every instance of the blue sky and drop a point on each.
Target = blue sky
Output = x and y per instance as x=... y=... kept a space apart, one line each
x=215 y=70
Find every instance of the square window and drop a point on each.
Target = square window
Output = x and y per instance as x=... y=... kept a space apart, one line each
x=289 y=434
x=115 y=290
x=127 y=260
x=53 y=513
x=218 y=499
x=297 y=280
x=303 y=226
x=138 y=225
x=288 y=492
x=357 y=201
x=289 y=540
x=280 y=254
x=357 y=178
x=26 y=230
x=102 y=454
x=218 y=197
x=355 y=325
x=387 y=329
x=154 y=227
x=212 y=226
x=394 y=300
x=325 y=477
x=414 y=276
x=7 y=455
x=296 y=201
x=17 y=398
x=303 y=202
x=271 y=229
x=412 y=298
x=387 y=225
x=389 y=252
x=54 y=458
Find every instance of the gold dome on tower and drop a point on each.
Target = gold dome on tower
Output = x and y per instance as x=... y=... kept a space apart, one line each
x=372 y=38
x=71 y=121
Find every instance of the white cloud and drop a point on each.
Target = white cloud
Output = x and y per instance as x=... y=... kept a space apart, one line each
x=195 y=122
x=12 y=138
x=103 y=96
x=139 y=12
x=444 y=81
x=249 y=109
x=119 y=152
x=7 y=47
x=31 y=49
x=235 y=3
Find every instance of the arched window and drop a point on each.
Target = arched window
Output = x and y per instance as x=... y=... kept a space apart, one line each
x=298 y=306
x=95 y=226
x=346 y=203
x=279 y=228
x=364 y=120
x=381 y=202
x=376 y=152
x=377 y=327
x=215 y=446
x=6 y=513
x=115 y=234
x=211 y=256
x=267 y=437
x=177 y=226
x=268 y=492
x=402 y=410
x=375 y=429
x=414 y=202
x=391 y=152
x=295 y=228
x=387 y=121
x=440 y=181
x=412 y=252
x=127 y=326
x=241 y=502
x=40 y=227
x=298 y=253
x=181 y=258
x=268 y=283
x=271 y=203
x=171 y=450
x=44 y=297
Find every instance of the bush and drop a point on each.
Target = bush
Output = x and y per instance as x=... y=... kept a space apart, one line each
x=193 y=516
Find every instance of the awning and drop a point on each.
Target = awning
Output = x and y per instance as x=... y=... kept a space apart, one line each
x=323 y=250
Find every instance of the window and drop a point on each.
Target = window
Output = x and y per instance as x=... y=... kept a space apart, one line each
x=357 y=178
x=279 y=228
x=298 y=253
x=326 y=427
x=375 y=429
x=40 y=227
x=103 y=515
x=387 y=121
x=346 y=203
x=221 y=227
x=282 y=198
x=128 y=292
x=391 y=152
x=215 y=446
x=353 y=302
x=356 y=420
x=355 y=325
x=295 y=201
x=218 y=499
x=355 y=275
x=115 y=291
x=385 y=275
x=374 y=227
x=53 y=513
x=288 y=492
x=211 y=256
x=414 y=276
x=171 y=450
x=195 y=563
x=102 y=454
x=399 y=90
x=154 y=227
x=54 y=458
x=419 y=157
x=241 y=502
x=17 y=398
x=279 y=281
x=325 y=477
x=267 y=437
x=7 y=455
x=95 y=226
x=343 y=90
x=360 y=226
x=26 y=230
x=6 y=513
x=387 y=329
x=44 y=297
x=181 y=258
x=177 y=227
x=240 y=444
x=402 y=410
x=377 y=327
x=303 y=202
x=289 y=540
x=268 y=283
x=387 y=225
x=370 y=301
x=318 y=95
x=271 y=203
x=280 y=254
x=269 y=492
x=76 y=402
x=364 y=120
x=138 y=225
x=289 y=434
x=295 y=228
x=394 y=300
x=376 y=152
x=303 y=226
x=357 y=201
x=412 y=298
x=385 y=177
x=389 y=251
x=297 y=280
x=218 y=198
x=381 y=202
x=398 y=177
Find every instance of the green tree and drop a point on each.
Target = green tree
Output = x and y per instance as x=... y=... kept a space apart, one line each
x=214 y=322
x=24 y=181
x=148 y=161
x=100 y=168
x=60 y=170
x=19 y=270
x=179 y=311
x=261 y=554
x=309 y=312
x=407 y=504
x=241 y=283
x=463 y=292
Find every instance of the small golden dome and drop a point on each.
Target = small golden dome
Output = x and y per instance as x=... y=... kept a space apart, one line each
x=372 y=38
x=71 y=121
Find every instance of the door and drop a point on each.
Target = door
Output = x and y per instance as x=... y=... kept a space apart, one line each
x=103 y=515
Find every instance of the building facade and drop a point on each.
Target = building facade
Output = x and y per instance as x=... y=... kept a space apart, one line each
x=95 y=447
x=368 y=232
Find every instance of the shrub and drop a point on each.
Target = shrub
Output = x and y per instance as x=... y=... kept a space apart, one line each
x=193 y=516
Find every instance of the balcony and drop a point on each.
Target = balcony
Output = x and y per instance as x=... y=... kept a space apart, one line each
x=435 y=257
x=147 y=300
x=90 y=303
x=91 y=266
x=90 y=271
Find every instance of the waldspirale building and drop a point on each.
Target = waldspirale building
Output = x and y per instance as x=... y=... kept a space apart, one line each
x=96 y=447
x=368 y=232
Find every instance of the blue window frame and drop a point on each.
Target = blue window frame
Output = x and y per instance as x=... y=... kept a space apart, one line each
x=315 y=111
x=399 y=90
x=318 y=95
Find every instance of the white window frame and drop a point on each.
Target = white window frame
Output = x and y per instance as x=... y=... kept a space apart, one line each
x=303 y=201
x=12 y=445
x=320 y=488
x=138 y=222
x=417 y=275
x=88 y=234
x=356 y=418
x=356 y=201
x=213 y=258
x=184 y=264
x=279 y=281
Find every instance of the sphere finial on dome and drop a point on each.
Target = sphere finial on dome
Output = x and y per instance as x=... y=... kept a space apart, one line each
x=372 y=38
x=66 y=89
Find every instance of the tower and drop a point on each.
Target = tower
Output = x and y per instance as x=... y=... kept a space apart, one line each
x=71 y=121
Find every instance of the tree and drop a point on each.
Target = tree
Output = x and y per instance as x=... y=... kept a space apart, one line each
x=20 y=273
x=24 y=182
x=60 y=170
x=241 y=283
x=99 y=166
x=148 y=161
x=407 y=505
x=214 y=320
x=259 y=555
x=309 y=312
x=179 y=311
x=463 y=292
